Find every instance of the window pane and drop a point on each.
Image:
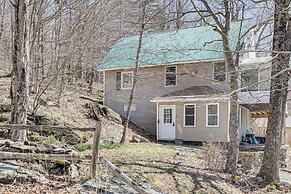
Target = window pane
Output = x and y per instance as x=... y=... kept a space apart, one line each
x=171 y=76
x=171 y=69
x=212 y=120
x=189 y=109
x=167 y=115
x=212 y=109
x=127 y=80
x=189 y=120
x=220 y=72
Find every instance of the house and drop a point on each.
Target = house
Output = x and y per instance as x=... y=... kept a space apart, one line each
x=182 y=91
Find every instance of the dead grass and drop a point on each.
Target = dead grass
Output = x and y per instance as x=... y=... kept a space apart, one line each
x=169 y=168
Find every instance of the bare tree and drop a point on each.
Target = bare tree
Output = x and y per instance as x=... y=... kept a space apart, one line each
x=20 y=72
x=221 y=24
x=135 y=73
x=278 y=91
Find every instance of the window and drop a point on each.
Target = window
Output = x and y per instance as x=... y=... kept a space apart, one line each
x=212 y=117
x=249 y=79
x=167 y=115
x=219 y=72
x=189 y=115
x=126 y=80
x=171 y=78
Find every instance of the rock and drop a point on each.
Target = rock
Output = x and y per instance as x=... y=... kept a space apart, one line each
x=71 y=137
x=103 y=111
x=284 y=186
x=61 y=167
x=61 y=151
x=110 y=185
x=73 y=171
x=113 y=140
x=8 y=171
x=138 y=139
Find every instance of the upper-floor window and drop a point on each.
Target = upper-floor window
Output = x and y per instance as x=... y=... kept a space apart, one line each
x=212 y=115
x=171 y=77
x=219 y=72
x=189 y=115
x=249 y=79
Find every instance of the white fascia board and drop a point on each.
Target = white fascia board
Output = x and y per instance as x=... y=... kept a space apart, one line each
x=192 y=99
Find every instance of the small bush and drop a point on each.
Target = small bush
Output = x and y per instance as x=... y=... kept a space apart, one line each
x=83 y=147
x=214 y=156
x=3 y=118
x=106 y=144
x=86 y=136
x=51 y=139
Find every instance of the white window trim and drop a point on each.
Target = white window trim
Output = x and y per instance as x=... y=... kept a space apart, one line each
x=217 y=115
x=213 y=77
x=165 y=73
x=121 y=79
x=184 y=119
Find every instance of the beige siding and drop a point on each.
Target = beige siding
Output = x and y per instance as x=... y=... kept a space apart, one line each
x=151 y=85
x=201 y=132
x=246 y=121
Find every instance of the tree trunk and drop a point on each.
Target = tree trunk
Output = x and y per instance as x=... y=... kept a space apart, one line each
x=278 y=93
x=20 y=72
x=134 y=82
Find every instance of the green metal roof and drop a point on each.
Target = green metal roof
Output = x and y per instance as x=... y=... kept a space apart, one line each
x=191 y=44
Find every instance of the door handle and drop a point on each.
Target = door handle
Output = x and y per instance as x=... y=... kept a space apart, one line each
x=173 y=123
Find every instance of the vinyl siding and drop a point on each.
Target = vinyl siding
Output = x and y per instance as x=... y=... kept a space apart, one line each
x=151 y=85
x=201 y=132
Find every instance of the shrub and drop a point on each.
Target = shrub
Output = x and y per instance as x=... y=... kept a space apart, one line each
x=3 y=118
x=214 y=156
x=83 y=146
x=107 y=144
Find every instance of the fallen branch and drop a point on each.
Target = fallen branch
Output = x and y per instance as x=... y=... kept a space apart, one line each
x=121 y=175
x=6 y=75
x=90 y=99
x=35 y=156
x=43 y=128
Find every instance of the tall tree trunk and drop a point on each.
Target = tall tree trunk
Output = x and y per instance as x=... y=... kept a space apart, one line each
x=20 y=73
x=278 y=92
x=135 y=73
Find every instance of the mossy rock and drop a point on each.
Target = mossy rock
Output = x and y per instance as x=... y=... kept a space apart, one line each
x=70 y=137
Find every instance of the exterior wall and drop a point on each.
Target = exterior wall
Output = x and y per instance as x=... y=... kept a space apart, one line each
x=264 y=72
x=151 y=85
x=246 y=121
x=201 y=132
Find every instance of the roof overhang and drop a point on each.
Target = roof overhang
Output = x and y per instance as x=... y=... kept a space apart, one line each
x=198 y=98
x=165 y=64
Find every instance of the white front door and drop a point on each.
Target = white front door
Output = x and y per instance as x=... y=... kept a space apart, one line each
x=167 y=122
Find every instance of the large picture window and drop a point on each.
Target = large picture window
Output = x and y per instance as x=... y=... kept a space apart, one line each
x=171 y=77
x=212 y=115
x=189 y=115
x=219 y=72
x=126 y=80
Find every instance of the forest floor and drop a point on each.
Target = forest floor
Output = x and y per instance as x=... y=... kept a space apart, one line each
x=166 y=167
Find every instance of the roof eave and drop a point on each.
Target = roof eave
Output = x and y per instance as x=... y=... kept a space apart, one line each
x=197 y=98
x=174 y=63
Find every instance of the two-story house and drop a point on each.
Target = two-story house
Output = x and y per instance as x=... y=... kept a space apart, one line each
x=182 y=91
